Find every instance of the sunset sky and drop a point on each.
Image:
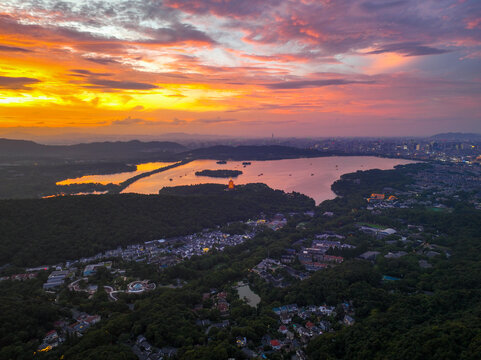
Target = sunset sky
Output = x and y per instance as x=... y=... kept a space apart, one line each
x=241 y=67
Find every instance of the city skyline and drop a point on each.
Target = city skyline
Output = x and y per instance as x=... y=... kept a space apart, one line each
x=242 y=68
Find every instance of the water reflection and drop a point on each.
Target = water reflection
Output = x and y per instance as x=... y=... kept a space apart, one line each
x=115 y=178
x=245 y=293
x=311 y=176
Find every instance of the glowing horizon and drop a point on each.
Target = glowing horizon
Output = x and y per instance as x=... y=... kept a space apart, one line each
x=246 y=67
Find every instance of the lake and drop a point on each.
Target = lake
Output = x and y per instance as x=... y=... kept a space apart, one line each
x=247 y=294
x=115 y=178
x=310 y=176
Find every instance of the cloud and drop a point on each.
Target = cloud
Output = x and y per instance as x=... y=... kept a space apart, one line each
x=409 y=49
x=17 y=83
x=230 y=56
x=177 y=33
x=375 y=6
x=13 y=49
x=177 y=121
x=312 y=83
x=130 y=121
x=217 y=120
x=83 y=72
x=236 y=9
x=121 y=85
x=101 y=60
x=203 y=121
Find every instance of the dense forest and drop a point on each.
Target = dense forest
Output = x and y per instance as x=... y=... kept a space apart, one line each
x=46 y=231
x=430 y=313
x=364 y=183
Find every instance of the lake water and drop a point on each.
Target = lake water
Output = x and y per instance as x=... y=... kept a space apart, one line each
x=310 y=176
x=115 y=178
x=246 y=293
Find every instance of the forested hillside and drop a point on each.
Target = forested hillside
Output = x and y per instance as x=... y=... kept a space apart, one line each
x=46 y=231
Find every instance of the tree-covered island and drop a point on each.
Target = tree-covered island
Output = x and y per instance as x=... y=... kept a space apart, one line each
x=221 y=173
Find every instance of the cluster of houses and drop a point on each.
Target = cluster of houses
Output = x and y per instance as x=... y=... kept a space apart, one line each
x=377 y=202
x=50 y=341
x=267 y=270
x=221 y=303
x=83 y=323
x=171 y=251
x=145 y=351
x=91 y=269
x=162 y=252
x=375 y=198
x=433 y=187
x=287 y=312
x=199 y=244
x=297 y=327
x=376 y=231
x=446 y=179
x=315 y=258
x=55 y=337
x=277 y=222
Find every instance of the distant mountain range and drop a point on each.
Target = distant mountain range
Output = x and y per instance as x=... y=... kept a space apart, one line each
x=97 y=150
x=265 y=152
x=456 y=136
x=154 y=150
x=63 y=137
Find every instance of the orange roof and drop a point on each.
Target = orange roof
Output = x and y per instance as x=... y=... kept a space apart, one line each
x=275 y=343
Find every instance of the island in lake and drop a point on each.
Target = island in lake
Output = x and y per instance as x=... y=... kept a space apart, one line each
x=219 y=173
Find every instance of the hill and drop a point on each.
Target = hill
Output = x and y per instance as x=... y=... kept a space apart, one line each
x=456 y=136
x=38 y=231
x=15 y=149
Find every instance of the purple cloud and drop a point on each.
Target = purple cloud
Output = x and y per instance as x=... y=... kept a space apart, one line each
x=13 y=49
x=17 y=83
x=130 y=121
x=409 y=49
x=121 y=85
x=244 y=8
x=82 y=72
x=312 y=83
x=376 y=6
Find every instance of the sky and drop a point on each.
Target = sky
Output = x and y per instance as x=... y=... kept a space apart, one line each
x=240 y=67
